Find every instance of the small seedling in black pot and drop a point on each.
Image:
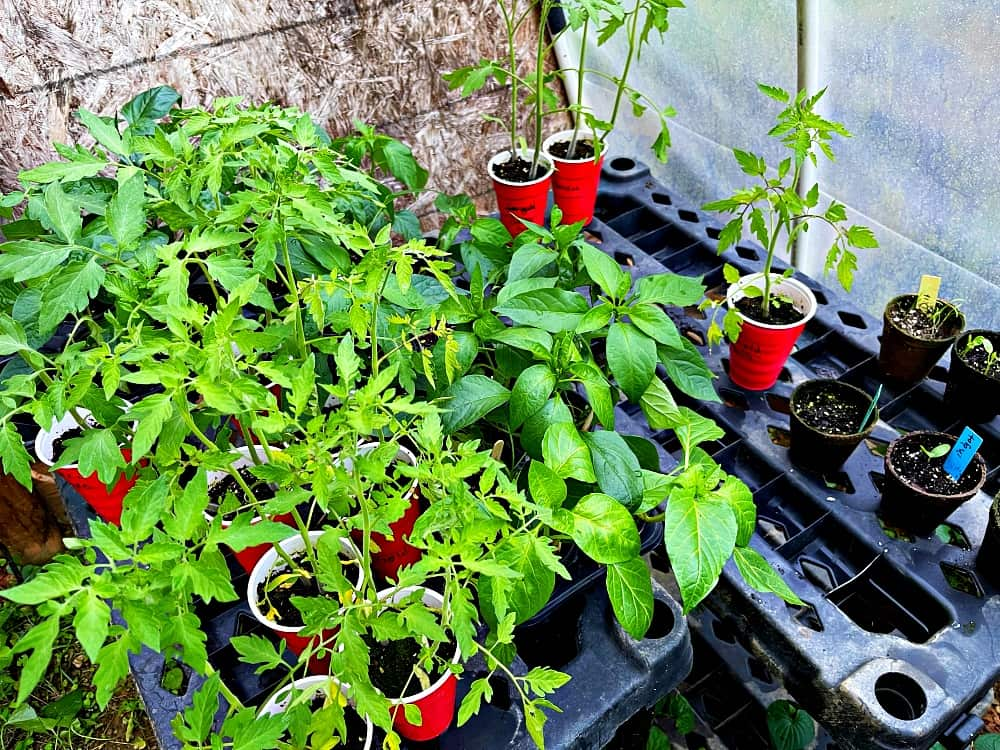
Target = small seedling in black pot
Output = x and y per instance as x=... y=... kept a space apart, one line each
x=974 y=378
x=828 y=419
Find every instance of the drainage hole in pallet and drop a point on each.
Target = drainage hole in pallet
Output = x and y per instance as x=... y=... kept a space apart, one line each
x=785 y=376
x=693 y=312
x=661 y=199
x=939 y=373
x=774 y=532
x=894 y=532
x=818 y=574
x=747 y=253
x=728 y=630
x=624 y=259
x=851 y=319
x=820 y=297
x=901 y=696
x=245 y=624
x=877 y=447
x=839 y=482
x=593 y=236
x=759 y=670
x=953 y=535
x=779 y=436
x=878 y=480
x=734 y=399
x=663 y=620
x=174 y=677
x=807 y=615
x=690 y=216
x=962 y=579
x=622 y=164
x=713 y=232
x=554 y=643
x=693 y=335
x=778 y=403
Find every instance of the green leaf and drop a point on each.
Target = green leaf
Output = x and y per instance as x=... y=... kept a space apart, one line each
x=188 y=507
x=183 y=630
x=595 y=318
x=142 y=506
x=987 y=742
x=57 y=580
x=553 y=310
x=616 y=467
x=790 y=727
x=151 y=413
x=678 y=709
x=83 y=166
x=39 y=640
x=566 y=453
x=399 y=161
x=21 y=260
x=693 y=429
x=104 y=131
x=243 y=532
x=92 y=622
x=533 y=340
x=544 y=680
x=530 y=393
x=112 y=668
x=99 y=452
x=759 y=575
x=547 y=488
x=528 y=260
x=700 y=535
x=70 y=291
x=657 y=739
x=146 y=108
x=598 y=392
x=655 y=323
x=749 y=163
x=630 y=591
x=604 y=271
x=861 y=237
x=64 y=213
x=126 y=214
x=632 y=358
x=478 y=690
x=16 y=460
x=604 y=529
x=774 y=92
x=532 y=587
x=688 y=371
x=470 y=399
x=670 y=289
x=735 y=492
x=658 y=405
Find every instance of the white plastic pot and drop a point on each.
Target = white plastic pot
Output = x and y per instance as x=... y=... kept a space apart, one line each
x=278 y=702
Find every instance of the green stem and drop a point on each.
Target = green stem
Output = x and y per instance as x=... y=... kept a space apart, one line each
x=579 y=89
x=539 y=86
x=630 y=55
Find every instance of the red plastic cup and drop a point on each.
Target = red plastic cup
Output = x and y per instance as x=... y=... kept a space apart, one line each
x=574 y=183
x=524 y=200
x=292 y=636
x=757 y=357
x=436 y=703
x=106 y=502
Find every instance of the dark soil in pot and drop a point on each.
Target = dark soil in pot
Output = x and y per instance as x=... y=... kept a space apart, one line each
x=928 y=474
x=913 y=340
x=219 y=490
x=279 y=599
x=973 y=387
x=390 y=664
x=518 y=170
x=59 y=444
x=825 y=423
x=780 y=313
x=584 y=150
x=920 y=324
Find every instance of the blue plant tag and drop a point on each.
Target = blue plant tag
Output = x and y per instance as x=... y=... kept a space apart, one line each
x=961 y=454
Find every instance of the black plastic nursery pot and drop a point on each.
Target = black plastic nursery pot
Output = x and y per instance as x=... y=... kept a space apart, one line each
x=905 y=358
x=988 y=559
x=973 y=393
x=826 y=448
x=908 y=505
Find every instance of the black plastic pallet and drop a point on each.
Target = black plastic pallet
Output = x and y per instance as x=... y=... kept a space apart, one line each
x=899 y=635
x=613 y=675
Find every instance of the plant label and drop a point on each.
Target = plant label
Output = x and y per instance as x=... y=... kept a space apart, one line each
x=927 y=294
x=961 y=454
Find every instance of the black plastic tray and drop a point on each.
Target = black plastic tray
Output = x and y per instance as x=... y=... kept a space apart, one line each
x=886 y=653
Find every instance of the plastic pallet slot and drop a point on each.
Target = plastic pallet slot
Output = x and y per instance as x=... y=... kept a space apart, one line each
x=613 y=675
x=894 y=643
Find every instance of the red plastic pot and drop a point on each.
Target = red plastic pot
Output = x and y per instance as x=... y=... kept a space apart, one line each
x=106 y=501
x=396 y=552
x=756 y=358
x=291 y=635
x=524 y=200
x=436 y=703
x=248 y=557
x=574 y=182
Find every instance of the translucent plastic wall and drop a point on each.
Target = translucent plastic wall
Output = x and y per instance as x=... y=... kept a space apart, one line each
x=917 y=82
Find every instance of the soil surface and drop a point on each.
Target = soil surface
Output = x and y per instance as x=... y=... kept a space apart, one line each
x=781 y=313
x=928 y=474
x=824 y=410
x=919 y=324
x=979 y=359
x=584 y=150
x=280 y=597
x=390 y=664
x=59 y=444
x=218 y=490
x=517 y=170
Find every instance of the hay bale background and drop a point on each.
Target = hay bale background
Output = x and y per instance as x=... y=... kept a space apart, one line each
x=379 y=61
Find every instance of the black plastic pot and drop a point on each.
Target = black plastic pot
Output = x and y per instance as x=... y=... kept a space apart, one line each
x=974 y=395
x=904 y=358
x=988 y=560
x=811 y=448
x=907 y=506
